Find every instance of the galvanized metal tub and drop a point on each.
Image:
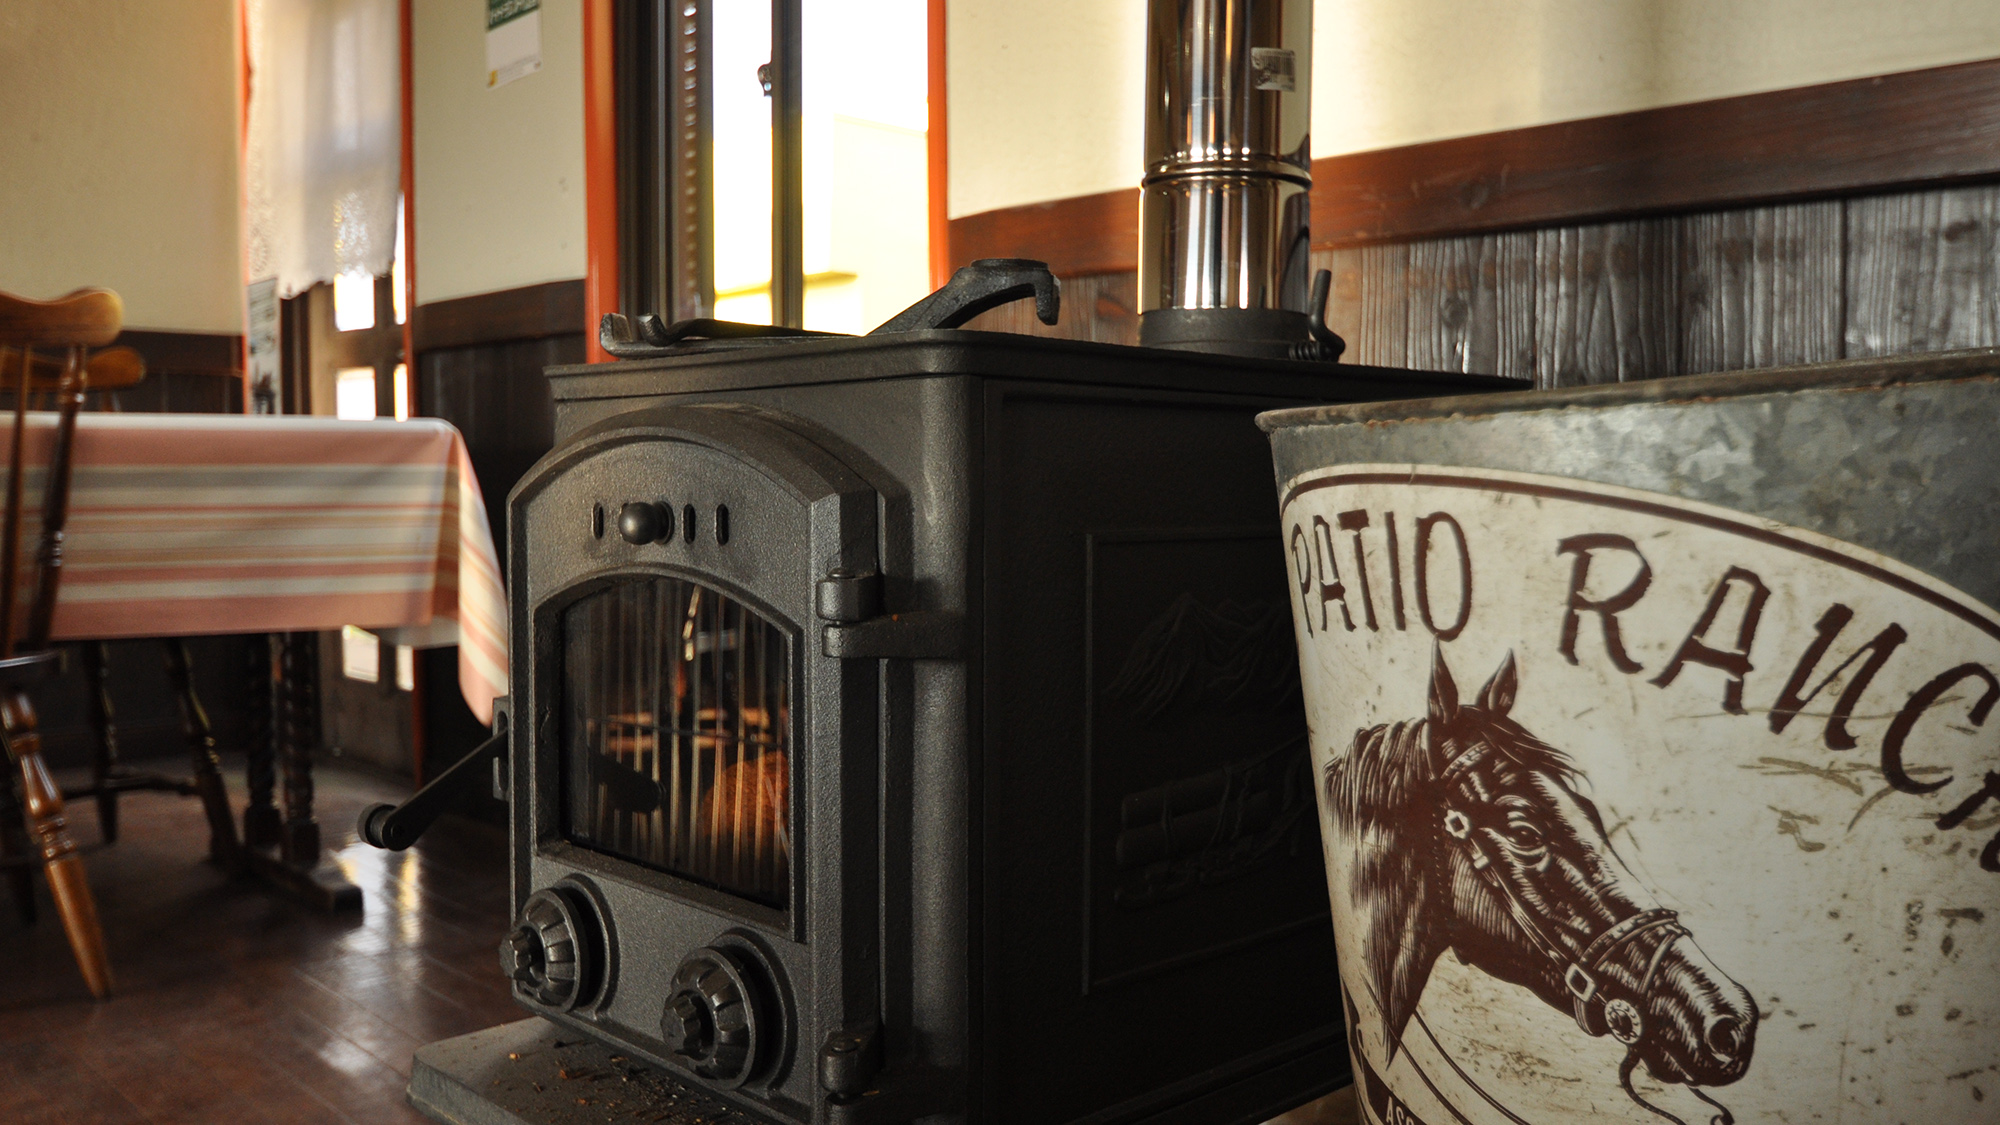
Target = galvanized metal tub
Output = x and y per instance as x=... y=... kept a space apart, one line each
x=1654 y=732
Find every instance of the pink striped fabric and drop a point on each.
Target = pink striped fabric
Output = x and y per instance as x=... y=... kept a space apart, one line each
x=190 y=523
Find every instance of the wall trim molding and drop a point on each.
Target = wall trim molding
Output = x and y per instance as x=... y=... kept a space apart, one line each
x=530 y=312
x=1919 y=128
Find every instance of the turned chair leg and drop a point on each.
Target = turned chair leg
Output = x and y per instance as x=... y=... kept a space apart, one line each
x=103 y=719
x=49 y=831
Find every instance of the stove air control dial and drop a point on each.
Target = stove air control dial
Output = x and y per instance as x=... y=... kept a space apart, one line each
x=550 y=954
x=718 y=1016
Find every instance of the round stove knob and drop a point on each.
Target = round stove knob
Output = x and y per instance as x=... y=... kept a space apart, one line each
x=640 y=523
x=550 y=954
x=716 y=1015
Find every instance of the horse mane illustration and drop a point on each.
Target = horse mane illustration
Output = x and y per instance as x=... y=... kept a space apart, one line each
x=1469 y=833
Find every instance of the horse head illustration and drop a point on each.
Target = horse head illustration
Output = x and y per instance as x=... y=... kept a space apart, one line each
x=1471 y=836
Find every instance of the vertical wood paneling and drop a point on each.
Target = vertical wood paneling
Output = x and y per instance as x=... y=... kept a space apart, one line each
x=1760 y=287
x=1472 y=305
x=1921 y=271
x=1113 y=313
x=1720 y=291
x=1369 y=305
x=1605 y=303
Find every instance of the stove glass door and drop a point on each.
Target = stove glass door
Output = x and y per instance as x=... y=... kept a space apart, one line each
x=677 y=730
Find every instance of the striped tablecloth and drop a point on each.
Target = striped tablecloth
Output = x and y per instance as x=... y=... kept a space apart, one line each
x=183 y=524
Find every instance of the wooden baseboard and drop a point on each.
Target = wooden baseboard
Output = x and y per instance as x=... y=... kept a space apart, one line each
x=531 y=312
x=1927 y=127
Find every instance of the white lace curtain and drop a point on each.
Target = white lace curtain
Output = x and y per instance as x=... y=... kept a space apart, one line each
x=323 y=157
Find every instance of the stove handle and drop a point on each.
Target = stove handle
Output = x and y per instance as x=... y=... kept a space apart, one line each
x=644 y=337
x=395 y=827
x=985 y=284
x=919 y=635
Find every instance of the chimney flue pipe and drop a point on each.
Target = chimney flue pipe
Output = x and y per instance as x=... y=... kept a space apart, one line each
x=1224 y=224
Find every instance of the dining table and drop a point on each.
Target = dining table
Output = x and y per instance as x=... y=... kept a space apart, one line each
x=183 y=525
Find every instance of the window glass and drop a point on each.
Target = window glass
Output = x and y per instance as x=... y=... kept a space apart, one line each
x=864 y=118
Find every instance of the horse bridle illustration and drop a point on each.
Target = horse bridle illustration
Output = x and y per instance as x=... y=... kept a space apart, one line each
x=1582 y=975
x=1595 y=1013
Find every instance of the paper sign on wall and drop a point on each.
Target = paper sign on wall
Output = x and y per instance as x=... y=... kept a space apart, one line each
x=513 y=40
x=266 y=387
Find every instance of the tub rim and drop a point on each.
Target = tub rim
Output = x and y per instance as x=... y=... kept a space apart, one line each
x=1872 y=373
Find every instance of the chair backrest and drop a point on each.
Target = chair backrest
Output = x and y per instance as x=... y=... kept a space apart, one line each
x=86 y=318
x=74 y=322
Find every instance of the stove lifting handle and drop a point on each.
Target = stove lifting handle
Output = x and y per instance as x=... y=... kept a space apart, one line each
x=395 y=827
x=985 y=284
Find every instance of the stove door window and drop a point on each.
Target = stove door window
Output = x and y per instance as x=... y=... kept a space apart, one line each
x=677 y=735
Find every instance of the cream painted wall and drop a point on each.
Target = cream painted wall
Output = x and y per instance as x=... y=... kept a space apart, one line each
x=118 y=153
x=1045 y=94
x=1044 y=98
x=499 y=171
x=1396 y=72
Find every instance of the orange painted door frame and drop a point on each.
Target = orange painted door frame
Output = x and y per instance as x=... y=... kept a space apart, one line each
x=600 y=174
x=937 y=151
x=406 y=43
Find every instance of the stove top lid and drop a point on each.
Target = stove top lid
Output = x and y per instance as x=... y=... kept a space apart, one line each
x=927 y=339
x=800 y=360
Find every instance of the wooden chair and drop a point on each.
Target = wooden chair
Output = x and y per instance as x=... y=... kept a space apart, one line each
x=74 y=323
x=107 y=372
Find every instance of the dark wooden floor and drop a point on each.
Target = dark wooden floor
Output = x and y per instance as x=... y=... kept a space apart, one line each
x=232 y=1005
x=235 y=1006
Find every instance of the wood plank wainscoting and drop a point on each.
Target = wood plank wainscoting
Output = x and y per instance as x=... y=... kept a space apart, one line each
x=1851 y=219
x=479 y=367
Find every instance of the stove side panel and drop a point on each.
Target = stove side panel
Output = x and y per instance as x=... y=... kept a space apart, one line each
x=1155 y=913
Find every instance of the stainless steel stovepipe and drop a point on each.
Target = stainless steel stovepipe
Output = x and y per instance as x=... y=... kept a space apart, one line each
x=1223 y=213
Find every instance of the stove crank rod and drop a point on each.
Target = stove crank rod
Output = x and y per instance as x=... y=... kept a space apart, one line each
x=395 y=827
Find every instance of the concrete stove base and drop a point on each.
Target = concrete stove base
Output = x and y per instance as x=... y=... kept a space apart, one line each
x=534 y=1073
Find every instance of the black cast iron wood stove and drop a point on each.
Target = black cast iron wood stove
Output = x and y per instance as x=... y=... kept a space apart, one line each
x=907 y=725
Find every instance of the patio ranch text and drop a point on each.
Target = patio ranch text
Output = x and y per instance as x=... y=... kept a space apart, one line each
x=1327 y=603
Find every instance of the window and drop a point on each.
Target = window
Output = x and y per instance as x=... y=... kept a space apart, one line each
x=696 y=151
x=360 y=654
x=354 y=394
x=353 y=302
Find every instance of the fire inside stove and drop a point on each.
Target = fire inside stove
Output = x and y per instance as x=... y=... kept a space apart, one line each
x=677 y=735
